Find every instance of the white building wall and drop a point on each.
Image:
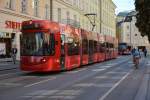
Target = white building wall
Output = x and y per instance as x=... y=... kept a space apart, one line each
x=131 y=35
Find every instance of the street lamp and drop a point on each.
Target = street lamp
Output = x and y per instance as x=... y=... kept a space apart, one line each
x=92 y=22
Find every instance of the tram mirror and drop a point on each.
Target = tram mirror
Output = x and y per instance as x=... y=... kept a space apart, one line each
x=70 y=40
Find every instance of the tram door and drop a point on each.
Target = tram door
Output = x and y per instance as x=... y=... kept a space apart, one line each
x=62 y=58
x=91 y=44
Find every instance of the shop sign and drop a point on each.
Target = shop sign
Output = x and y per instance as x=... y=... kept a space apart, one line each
x=2 y=49
x=5 y=35
x=13 y=25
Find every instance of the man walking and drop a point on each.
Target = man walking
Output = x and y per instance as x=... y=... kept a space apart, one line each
x=14 y=52
x=145 y=52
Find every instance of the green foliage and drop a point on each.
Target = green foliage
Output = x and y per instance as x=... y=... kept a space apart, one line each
x=143 y=16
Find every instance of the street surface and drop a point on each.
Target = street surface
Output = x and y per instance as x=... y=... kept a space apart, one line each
x=112 y=80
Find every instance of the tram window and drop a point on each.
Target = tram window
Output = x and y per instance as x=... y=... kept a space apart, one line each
x=37 y=44
x=73 y=47
x=95 y=46
x=85 y=46
x=91 y=44
x=101 y=47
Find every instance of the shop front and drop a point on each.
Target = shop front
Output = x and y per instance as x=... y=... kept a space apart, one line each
x=10 y=34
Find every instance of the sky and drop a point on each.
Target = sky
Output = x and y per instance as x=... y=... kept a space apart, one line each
x=123 y=5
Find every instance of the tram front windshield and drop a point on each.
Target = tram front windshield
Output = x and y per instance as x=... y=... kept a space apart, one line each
x=37 y=44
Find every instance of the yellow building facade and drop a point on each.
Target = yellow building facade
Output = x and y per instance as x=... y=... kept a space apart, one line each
x=12 y=13
x=74 y=12
x=79 y=13
x=108 y=18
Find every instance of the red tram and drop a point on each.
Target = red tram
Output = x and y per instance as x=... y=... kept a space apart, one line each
x=50 y=46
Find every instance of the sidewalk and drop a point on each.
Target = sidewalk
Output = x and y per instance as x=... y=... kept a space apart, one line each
x=7 y=64
x=144 y=89
x=5 y=60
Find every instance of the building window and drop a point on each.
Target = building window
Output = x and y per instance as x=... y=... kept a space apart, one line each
x=74 y=2
x=59 y=14
x=24 y=6
x=128 y=27
x=46 y=11
x=10 y=4
x=36 y=8
x=75 y=20
x=68 y=17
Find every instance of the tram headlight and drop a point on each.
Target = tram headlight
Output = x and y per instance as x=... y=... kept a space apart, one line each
x=43 y=60
x=57 y=60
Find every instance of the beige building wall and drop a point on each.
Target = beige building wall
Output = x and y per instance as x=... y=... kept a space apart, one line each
x=78 y=8
x=11 y=13
x=131 y=35
x=108 y=17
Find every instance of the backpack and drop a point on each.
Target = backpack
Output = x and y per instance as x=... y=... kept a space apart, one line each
x=136 y=53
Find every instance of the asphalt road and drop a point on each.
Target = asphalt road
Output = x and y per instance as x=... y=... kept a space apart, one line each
x=112 y=80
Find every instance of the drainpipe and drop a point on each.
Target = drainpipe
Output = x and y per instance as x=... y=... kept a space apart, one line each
x=51 y=9
x=100 y=1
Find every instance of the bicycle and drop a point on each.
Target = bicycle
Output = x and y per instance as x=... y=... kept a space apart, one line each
x=136 y=62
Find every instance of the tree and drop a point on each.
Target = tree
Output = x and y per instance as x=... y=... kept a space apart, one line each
x=143 y=17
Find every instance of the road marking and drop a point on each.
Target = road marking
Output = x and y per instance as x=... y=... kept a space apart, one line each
x=17 y=79
x=84 y=85
x=98 y=70
x=40 y=82
x=107 y=93
x=41 y=93
x=4 y=64
x=112 y=64
x=101 y=77
x=107 y=77
x=103 y=85
x=9 y=74
x=116 y=77
x=106 y=66
x=53 y=94
x=112 y=72
x=76 y=71
x=9 y=84
x=62 y=97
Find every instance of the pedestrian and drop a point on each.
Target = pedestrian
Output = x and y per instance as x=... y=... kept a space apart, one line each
x=14 y=53
x=145 y=52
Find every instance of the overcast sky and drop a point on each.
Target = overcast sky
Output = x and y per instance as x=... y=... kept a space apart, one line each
x=123 y=5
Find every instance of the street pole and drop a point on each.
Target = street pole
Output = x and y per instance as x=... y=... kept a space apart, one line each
x=130 y=20
x=51 y=9
x=100 y=1
x=130 y=33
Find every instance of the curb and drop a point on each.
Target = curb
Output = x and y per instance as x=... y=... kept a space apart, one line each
x=8 y=69
x=5 y=59
x=143 y=89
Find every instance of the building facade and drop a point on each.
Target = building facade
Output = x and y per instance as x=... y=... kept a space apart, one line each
x=108 y=18
x=119 y=20
x=129 y=32
x=74 y=12
x=79 y=13
x=12 y=13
